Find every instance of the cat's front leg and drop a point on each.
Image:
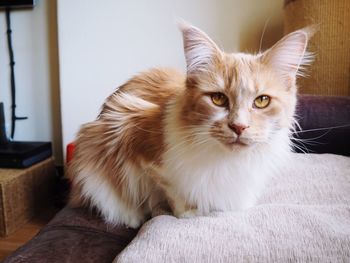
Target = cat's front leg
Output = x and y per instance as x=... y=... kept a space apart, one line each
x=178 y=204
x=181 y=209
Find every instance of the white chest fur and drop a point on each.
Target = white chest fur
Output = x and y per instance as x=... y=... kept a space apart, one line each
x=211 y=178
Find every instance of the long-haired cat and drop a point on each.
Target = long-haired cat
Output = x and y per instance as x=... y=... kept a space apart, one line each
x=203 y=141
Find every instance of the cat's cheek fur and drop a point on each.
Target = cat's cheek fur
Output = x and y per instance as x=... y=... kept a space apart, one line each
x=219 y=115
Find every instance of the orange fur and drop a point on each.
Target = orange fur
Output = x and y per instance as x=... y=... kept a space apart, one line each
x=126 y=161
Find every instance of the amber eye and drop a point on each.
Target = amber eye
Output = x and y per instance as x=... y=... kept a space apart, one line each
x=262 y=101
x=219 y=99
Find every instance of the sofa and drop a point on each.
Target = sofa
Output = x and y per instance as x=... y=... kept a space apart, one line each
x=303 y=216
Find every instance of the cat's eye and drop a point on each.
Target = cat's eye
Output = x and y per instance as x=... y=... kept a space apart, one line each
x=262 y=101
x=219 y=99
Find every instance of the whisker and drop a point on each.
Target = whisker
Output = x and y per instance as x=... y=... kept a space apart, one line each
x=307 y=141
x=301 y=145
x=301 y=148
x=311 y=141
x=263 y=33
x=324 y=128
x=295 y=124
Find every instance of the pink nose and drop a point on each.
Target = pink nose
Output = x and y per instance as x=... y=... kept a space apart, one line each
x=237 y=128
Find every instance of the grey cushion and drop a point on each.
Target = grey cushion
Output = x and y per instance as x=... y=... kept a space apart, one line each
x=304 y=215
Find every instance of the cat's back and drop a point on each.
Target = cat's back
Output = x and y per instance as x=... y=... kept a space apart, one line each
x=152 y=88
x=130 y=125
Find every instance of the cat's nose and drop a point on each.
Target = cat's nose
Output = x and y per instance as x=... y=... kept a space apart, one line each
x=237 y=127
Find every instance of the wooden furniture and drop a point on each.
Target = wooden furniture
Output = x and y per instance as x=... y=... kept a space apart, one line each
x=24 y=193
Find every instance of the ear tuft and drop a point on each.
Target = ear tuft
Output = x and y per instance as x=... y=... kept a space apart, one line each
x=200 y=50
x=289 y=56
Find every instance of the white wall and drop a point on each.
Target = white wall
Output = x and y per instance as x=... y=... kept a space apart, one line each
x=103 y=43
x=34 y=34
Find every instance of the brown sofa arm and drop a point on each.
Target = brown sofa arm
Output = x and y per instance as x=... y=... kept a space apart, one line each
x=74 y=235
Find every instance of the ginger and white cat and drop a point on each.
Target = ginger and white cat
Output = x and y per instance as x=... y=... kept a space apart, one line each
x=203 y=141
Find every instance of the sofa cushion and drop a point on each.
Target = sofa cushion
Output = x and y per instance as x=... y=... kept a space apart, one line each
x=303 y=215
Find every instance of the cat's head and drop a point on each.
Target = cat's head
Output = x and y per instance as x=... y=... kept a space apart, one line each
x=241 y=99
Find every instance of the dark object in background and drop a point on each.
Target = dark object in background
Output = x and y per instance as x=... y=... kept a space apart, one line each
x=17 y=3
x=3 y=138
x=23 y=154
x=325 y=123
x=20 y=154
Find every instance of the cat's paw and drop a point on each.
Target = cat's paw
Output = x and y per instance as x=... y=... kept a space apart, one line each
x=134 y=221
x=189 y=214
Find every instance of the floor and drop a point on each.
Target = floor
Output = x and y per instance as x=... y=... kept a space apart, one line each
x=24 y=234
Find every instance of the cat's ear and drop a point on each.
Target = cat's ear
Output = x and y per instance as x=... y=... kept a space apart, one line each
x=200 y=50
x=289 y=56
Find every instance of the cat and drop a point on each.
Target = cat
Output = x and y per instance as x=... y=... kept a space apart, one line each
x=203 y=141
